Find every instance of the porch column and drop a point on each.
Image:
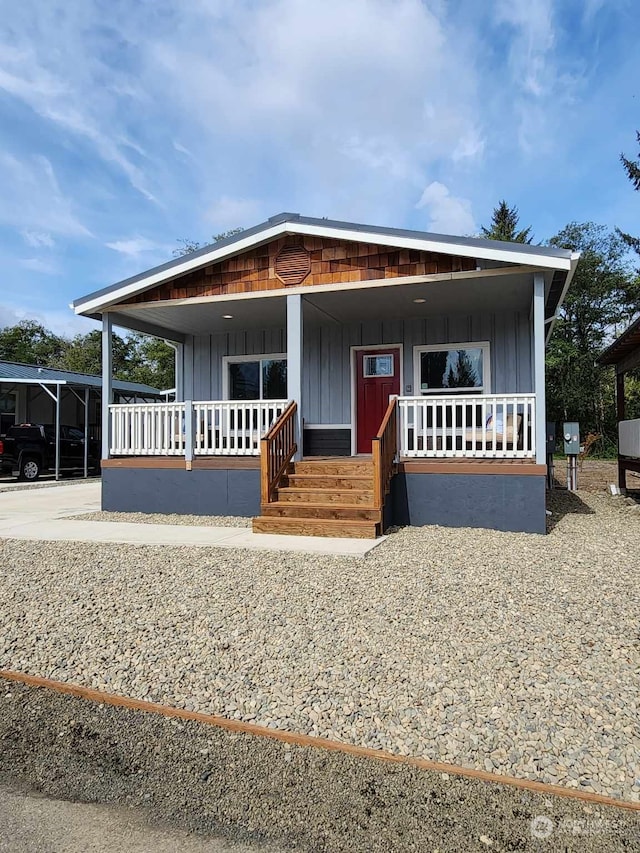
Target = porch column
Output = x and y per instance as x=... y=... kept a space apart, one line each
x=179 y=372
x=538 y=367
x=107 y=382
x=294 y=361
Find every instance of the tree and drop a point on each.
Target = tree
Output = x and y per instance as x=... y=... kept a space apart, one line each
x=30 y=343
x=604 y=296
x=153 y=361
x=632 y=168
x=504 y=225
x=188 y=246
x=83 y=354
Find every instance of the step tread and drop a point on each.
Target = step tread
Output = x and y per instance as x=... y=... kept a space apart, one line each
x=349 y=528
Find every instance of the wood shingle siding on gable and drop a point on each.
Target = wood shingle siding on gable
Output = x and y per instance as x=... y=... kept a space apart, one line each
x=330 y=261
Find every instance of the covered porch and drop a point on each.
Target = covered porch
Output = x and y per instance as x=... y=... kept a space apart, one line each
x=402 y=380
x=463 y=357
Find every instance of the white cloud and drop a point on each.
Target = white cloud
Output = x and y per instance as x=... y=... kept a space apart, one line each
x=38 y=265
x=448 y=214
x=38 y=239
x=33 y=201
x=134 y=246
x=228 y=213
x=534 y=38
x=64 y=84
x=62 y=322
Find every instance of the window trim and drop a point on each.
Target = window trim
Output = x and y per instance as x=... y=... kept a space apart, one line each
x=485 y=346
x=237 y=359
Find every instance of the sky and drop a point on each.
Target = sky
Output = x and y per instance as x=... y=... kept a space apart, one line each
x=126 y=125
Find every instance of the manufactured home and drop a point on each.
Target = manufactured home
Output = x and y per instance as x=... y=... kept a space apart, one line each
x=335 y=379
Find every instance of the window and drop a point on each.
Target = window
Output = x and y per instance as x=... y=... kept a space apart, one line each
x=453 y=368
x=378 y=365
x=256 y=377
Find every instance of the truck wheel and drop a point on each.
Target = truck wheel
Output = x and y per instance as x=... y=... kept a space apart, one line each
x=29 y=469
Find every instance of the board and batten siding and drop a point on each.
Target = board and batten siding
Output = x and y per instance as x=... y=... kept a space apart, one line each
x=327 y=354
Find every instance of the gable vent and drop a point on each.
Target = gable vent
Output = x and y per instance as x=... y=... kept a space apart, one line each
x=293 y=264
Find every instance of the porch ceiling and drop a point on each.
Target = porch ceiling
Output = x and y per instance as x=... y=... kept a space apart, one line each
x=460 y=296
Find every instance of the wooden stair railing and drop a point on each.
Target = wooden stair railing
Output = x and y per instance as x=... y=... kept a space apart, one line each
x=277 y=449
x=384 y=448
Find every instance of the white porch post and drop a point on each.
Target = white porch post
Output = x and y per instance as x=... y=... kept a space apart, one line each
x=107 y=382
x=179 y=372
x=294 y=361
x=538 y=367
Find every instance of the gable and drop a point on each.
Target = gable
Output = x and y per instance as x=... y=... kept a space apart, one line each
x=306 y=261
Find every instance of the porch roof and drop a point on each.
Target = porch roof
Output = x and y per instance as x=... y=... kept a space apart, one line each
x=551 y=258
x=625 y=350
x=506 y=289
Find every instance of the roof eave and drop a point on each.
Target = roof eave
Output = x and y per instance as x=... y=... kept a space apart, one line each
x=99 y=301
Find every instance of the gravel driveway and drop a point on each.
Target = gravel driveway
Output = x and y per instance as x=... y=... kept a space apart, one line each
x=514 y=653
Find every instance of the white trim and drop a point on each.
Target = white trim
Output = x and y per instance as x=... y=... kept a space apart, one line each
x=34 y=381
x=236 y=359
x=463 y=248
x=575 y=257
x=352 y=385
x=327 y=426
x=432 y=244
x=484 y=389
x=539 y=367
x=309 y=289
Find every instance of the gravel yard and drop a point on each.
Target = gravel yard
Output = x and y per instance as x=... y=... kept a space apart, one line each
x=172 y=518
x=513 y=653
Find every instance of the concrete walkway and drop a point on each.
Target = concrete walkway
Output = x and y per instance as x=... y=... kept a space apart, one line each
x=43 y=515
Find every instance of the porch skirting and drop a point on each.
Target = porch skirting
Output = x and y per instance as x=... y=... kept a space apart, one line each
x=496 y=501
x=510 y=502
x=202 y=491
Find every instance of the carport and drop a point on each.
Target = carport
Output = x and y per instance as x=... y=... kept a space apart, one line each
x=29 y=386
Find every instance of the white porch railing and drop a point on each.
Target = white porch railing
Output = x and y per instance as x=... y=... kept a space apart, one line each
x=498 y=426
x=629 y=438
x=147 y=429
x=234 y=428
x=225 y=428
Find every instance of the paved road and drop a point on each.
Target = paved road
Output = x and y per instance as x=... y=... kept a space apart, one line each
x=30 y=823
x=43 y=515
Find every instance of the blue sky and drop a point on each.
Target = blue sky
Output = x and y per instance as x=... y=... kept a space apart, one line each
x=127 y=125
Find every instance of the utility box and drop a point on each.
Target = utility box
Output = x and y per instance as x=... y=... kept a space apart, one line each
x=571 y=438
x=551 y=438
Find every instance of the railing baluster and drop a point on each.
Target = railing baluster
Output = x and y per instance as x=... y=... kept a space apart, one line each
x=433 y=426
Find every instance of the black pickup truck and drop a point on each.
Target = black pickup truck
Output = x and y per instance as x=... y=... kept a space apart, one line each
x=29 y=450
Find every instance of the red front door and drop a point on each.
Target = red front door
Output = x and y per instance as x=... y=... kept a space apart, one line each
x=377 y=377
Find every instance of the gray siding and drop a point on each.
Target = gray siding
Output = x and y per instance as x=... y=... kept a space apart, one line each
x=327 y=369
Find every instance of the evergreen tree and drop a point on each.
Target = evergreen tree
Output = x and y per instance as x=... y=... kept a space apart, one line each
x=504 y=225
x=632 y=168
x=603 y=298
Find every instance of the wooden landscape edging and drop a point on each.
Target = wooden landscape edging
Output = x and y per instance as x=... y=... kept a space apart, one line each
x=98 y=696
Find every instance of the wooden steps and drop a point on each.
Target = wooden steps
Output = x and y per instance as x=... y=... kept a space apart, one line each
x=316 y=527
x=324 y=497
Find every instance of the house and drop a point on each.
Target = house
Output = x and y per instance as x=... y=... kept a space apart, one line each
x=624 y=356
x=337 y=378
x=32 y=394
